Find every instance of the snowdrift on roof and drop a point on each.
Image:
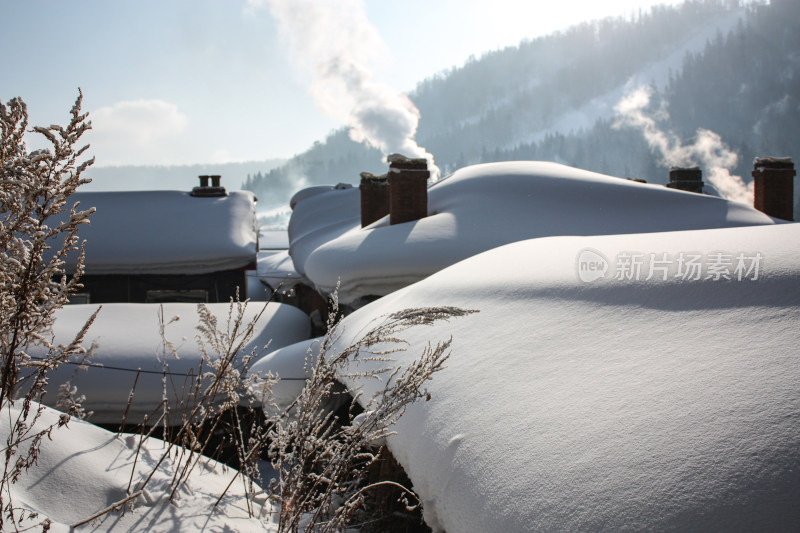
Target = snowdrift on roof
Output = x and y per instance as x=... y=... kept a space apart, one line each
x=167 y=232
x=649 y=398
x=277 y=270
x=127 y=337
x=479 y=208
x=319 y=214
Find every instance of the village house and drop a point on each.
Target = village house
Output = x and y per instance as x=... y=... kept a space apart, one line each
x=168 y=246
x=397 y=229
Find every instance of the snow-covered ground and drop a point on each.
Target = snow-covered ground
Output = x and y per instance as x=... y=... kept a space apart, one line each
x=270 y=239
x=128 y=338
x=602 y=387
x=479 y=208
x=83 y=469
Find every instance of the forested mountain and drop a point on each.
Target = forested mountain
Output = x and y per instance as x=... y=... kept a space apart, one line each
x=725 y=66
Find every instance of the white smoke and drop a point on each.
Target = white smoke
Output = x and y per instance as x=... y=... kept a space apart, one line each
x=334 y=43
x=708 y=150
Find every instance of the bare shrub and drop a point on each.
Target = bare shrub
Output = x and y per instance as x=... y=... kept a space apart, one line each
x=323 y=463
x=34 y=189
x=209 y=401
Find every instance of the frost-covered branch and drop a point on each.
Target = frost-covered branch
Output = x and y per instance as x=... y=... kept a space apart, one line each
x=34 y=188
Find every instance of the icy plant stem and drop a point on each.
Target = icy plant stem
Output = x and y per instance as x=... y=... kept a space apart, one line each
x=130 y=401
x=113 y=507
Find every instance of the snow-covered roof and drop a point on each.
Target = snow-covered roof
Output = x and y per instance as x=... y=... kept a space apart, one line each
x=127 y=337
x=320 y=214
x=308 y=192
x=615 y=403
x=277 y=270
x=479 y=208
x=167 y=232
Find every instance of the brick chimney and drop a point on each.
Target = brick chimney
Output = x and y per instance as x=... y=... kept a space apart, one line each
x=686 y=179
x=408 y=182
x=375 y=201
x=205 y=190
x=773 y=181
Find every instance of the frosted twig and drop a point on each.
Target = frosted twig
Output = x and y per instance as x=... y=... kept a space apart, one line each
x=113 y=507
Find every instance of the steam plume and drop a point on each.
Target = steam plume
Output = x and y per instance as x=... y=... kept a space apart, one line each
x=707 y=151
x=334 y=42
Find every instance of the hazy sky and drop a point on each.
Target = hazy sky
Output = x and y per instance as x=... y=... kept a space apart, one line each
x=200 y=81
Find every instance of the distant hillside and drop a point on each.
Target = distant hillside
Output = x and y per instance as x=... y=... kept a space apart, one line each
x=177 y=177
x=560 y=83
x=725 y=66
x=743 y=85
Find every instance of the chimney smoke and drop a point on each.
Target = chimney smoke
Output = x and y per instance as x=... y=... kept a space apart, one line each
x=336 y=46
x=707 y=149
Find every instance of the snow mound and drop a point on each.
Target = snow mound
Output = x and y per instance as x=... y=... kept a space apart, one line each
x=590 y=394
x=128 y=338
x=167 y=232
x=482 y=207
x=84 y=469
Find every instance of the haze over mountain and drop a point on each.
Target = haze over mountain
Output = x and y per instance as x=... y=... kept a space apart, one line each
x=713 y=83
